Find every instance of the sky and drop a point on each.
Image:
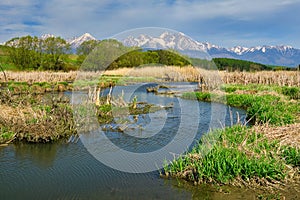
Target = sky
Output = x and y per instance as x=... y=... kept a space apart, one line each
x=225 y=23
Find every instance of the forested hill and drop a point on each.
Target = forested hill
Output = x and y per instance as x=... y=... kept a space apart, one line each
x=240 y=65
x=31 y=53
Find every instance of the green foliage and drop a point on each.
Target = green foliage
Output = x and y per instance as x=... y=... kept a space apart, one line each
x=32 y=53
x=262 y=109
x=104 y=55
x=138 y=57
x=85 y=49
x=228 y=158
x=292 y=92
x=5 y=135
x=291 y=155
x=238 y=65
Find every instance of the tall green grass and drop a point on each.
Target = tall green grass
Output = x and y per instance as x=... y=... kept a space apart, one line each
x=260 y=108
x=238 y=153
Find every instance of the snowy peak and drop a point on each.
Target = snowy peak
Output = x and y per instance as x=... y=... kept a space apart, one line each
x=45 y=36
x=272 y=55
x=239 y=50
x=166 y=40
x=77 y=41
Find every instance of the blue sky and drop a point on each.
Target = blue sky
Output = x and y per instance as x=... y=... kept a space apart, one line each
x=222 y=22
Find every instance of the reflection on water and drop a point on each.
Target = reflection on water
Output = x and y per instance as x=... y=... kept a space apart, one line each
x=69 y=171
x=213 y=192
x=74 y=173
x=42 y=155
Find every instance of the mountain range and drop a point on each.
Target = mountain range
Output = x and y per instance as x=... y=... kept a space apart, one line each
x=271 y=55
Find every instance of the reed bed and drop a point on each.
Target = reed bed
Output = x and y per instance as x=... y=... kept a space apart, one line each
x=280 y=78
x=38 y=76
x=168 y=73
x=172 y=73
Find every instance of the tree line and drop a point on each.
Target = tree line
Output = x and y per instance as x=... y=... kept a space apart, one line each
x=33 y=53
x=53 y=53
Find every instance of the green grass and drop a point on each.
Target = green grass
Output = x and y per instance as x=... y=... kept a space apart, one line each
x=291 y=92
x=5 y=135
x=260 y=108
x=236 y=153
x=291 y=155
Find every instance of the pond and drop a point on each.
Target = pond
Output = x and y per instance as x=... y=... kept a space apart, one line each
x=72 y=171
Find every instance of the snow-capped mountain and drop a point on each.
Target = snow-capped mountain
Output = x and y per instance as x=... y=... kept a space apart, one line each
x=77 y=41
x=166 y=40
x=271 y=55
x=45 y=36
x=74 y=41
x=281 y=55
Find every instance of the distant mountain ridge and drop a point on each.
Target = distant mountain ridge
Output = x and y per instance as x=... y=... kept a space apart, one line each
x=270 y=55
x=281 y=55
x=77 y=41
x=74 y=41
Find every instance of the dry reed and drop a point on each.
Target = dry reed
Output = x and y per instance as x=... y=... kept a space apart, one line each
x=280 y=78
x=287 y=134
x=169 y=73
x=45 y=76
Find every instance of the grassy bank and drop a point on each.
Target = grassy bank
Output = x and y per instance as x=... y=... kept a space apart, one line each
x=241 y=157
x=263 y=104
x=266 y=155
x=29 y=117
x=238 y=154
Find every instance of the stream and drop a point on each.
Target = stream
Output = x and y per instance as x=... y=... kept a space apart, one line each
x=72 y=171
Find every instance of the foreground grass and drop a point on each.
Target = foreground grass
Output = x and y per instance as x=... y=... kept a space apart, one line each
x=237 y=154
x=255 y=157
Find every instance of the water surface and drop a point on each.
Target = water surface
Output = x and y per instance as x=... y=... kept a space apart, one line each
x=68 y=170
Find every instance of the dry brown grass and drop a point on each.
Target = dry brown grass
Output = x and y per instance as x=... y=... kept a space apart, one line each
x=46 y=76
x=32 y=124
x=280 y=78
x=169 y=73
x=286 y=135
x=160 y=72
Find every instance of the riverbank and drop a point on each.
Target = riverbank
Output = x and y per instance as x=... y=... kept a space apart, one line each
x=265 y=156
x=34 y=119
x=48 y=117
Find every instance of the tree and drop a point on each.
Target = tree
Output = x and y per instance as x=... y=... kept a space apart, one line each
x=34 y=53
x=54 y=50
x=23 y=52
x=85 y=49
x=105 y=54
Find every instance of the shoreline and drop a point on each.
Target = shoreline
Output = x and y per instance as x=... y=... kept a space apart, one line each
x=275 y=136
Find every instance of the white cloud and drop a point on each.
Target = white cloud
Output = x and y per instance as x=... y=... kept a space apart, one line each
x=104 y=18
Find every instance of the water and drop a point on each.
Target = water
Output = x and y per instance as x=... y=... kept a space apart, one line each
x=69 y=171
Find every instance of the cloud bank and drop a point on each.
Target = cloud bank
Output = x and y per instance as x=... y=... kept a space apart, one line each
x=227 y=23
